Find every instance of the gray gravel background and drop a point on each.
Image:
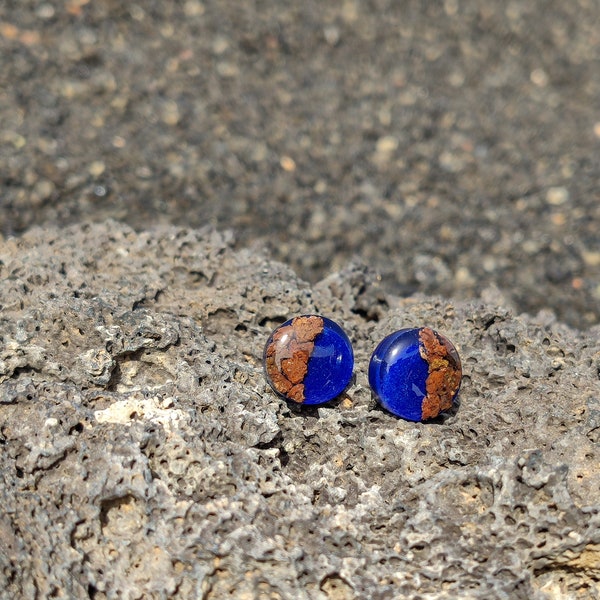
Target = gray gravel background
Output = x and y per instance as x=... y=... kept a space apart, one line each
x=451 y=145
x=386 y=164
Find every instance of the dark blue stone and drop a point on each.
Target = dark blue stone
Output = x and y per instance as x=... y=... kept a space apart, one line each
x=398 y=374
x=328 y=369
x=330 y=365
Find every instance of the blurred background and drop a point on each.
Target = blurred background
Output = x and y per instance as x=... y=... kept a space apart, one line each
x=454 y=147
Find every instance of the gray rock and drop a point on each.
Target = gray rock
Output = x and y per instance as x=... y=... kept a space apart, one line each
x=144 y=456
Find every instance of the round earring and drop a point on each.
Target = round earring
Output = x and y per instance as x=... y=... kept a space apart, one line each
x=308 y=360
x=415 y=373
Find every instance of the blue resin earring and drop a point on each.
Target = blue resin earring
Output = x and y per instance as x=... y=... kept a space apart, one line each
x=415 y=373
x=308 y=360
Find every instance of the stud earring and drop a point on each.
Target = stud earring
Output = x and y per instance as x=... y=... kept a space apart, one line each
x=308 y=360
x=415 y=373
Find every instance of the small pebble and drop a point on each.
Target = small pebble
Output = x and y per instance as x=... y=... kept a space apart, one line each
x=96 y=168
x=557 y=196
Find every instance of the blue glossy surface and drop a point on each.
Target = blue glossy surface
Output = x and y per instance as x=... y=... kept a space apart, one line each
x=398 y=374
x=329 y=367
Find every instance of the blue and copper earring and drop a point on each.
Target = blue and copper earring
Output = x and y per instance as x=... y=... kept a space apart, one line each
x=415 y=373
x=308 y=360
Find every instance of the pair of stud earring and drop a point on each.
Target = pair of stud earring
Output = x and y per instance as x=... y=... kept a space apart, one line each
x=414 y=373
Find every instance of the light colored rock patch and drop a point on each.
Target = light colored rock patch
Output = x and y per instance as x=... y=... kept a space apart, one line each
x=157 y=410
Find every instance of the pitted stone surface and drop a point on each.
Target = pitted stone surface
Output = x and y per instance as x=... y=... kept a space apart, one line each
x=144 y=455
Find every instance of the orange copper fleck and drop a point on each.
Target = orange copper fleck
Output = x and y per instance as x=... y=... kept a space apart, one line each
x=445 y=372
x=287 y=355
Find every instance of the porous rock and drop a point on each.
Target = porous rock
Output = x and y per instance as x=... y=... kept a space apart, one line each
x=144 y=455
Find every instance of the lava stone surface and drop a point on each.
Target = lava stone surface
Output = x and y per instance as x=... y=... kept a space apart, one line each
x=143 y=454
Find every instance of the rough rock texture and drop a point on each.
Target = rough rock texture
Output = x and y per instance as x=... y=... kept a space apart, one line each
x=144 y=456
x=450 y=144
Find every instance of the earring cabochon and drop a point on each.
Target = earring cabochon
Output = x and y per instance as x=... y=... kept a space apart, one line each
x=415 y=373
x=308 y=360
